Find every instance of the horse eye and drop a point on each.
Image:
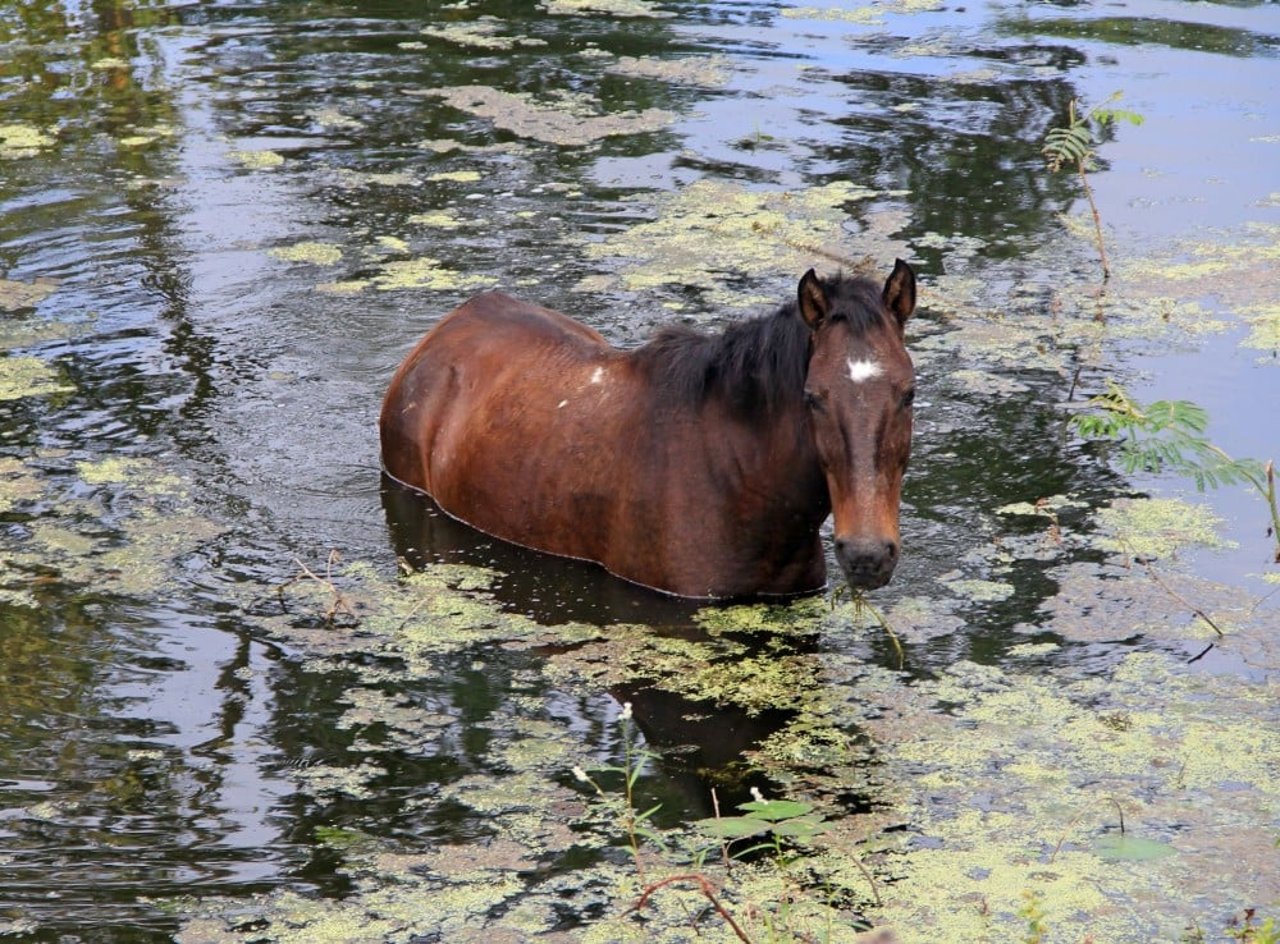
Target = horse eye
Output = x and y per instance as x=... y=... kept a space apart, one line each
x=908 y=398
x=813 y=401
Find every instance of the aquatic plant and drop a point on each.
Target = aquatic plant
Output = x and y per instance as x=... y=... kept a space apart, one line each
x=1244 y=929
x=781 y=829
x=635 y=759
x=1169 y=434
x=1073 y=145
x=1033 y=914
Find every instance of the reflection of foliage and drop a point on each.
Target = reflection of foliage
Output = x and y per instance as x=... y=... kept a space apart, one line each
x=1169 y=434
x=1072 y=145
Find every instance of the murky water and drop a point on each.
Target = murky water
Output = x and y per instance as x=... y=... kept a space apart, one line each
x=223 y=224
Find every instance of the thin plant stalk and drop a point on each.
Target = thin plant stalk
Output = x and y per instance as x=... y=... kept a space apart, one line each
x=1097 y=220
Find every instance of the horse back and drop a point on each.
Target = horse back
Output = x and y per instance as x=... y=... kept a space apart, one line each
x=486 y=364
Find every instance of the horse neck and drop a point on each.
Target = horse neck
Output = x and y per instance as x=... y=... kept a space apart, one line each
x=774 y=466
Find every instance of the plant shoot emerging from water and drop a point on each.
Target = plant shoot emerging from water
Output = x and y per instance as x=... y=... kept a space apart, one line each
x=1072 y=145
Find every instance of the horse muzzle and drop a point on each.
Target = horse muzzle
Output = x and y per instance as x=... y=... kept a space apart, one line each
x=867 y=562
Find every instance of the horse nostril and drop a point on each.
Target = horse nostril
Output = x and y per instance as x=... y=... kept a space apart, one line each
x=867 y=562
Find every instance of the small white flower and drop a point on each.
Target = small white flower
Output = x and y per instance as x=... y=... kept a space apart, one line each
x=581 y=775
x=626 y=711
x=757 y=795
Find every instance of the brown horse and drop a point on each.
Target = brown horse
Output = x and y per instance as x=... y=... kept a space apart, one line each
x=702 y=466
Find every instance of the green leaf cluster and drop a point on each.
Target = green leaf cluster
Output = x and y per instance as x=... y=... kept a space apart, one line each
x=1163 y=435
x=768 y=821
x=1072 y=144
x=1170 y=435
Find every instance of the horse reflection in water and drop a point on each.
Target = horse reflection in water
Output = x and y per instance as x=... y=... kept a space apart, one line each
x=701 y=744
x=697 y=465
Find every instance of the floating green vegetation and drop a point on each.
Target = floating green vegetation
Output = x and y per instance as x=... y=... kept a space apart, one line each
x=701 y=71
x=986 y=382
x=257 y=160
x=619 y=8
x=483 y=33
x=142 y=137
x=332 y=118
x=18 y=484
x=864 y=15
x=29 y=377
x=392 y=244
x=1075 y=759
x=132 y=550
x=16 y=295
x=457 y=176
x=350 y=179
x=1158 y=527
x=984 y=591
x=426 y=273
x=440 y=219
x=870 y=15
x=1241 y=269
x=714 y=232
x=1011 y=782
x=1264 y=326
x=315 y=253
x=17 y=141
x=564 y=119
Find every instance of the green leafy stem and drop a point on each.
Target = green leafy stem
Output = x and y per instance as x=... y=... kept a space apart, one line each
x=1170 y=435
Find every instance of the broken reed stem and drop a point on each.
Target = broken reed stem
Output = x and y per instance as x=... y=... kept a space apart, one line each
x=340 y=603
x=724 y=843
x=1075 y=819
x=875 y=891
x=708 y=892
x=1151 y=572
x=1119 y=810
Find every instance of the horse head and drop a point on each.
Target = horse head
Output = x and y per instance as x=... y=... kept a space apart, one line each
x=859 y=391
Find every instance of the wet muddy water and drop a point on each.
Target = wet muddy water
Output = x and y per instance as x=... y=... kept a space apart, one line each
x=253 y=692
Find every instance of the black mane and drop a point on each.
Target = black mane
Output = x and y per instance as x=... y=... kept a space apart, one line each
x=758 y=365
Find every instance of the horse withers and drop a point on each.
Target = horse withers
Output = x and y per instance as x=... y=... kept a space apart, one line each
x=698 y=465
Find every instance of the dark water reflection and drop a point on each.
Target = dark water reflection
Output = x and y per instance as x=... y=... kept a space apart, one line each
x=149 y=730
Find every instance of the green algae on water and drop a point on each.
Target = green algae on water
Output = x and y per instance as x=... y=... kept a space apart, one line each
x=483 y=33
x=439 y=219
x=715 y=232
x=1158 y=527
x=22 y=377
x=626 y=9
x=16 y=295
x=426 y=273
x=315 y=253
x=456 y=176
x=701 y=71
x=561 y=120
x=20 y=140
x=257 y=160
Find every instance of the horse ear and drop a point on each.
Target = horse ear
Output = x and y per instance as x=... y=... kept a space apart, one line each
x=814 y=306
x=900 y=292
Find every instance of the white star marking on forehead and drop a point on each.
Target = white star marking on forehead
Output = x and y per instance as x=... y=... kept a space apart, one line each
x=863 y=370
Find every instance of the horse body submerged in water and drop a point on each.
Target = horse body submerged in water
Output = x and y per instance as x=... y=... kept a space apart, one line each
x=701 y=466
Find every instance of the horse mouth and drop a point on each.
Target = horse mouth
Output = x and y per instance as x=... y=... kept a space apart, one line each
x=868 y=580
x=867 y=565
